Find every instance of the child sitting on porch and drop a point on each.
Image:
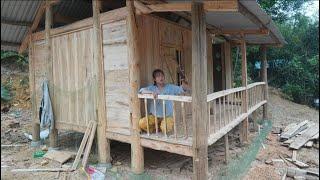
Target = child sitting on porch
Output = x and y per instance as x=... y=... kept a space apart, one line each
x=161 y=88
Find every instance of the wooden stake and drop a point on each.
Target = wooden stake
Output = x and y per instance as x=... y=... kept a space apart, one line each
x=184 y=120
x=82 y=145
x=137 y=157
x=89 y=144
x=226 y=146
x=156 y=117
x=174 y=121
x=199 y=92
x=146 y=113
x=102 y=141
x=164 y=117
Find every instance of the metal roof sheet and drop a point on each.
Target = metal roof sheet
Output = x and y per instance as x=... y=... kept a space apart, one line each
x=25 y=10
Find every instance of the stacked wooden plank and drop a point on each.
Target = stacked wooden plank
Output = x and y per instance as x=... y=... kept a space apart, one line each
x=299 y=135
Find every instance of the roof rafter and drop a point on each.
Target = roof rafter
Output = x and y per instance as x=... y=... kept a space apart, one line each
x=35 y=23
x=245 y=12
x=12 y=44
x=15 y=23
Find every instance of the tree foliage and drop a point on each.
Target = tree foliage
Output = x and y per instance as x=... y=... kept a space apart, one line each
x=298 y=73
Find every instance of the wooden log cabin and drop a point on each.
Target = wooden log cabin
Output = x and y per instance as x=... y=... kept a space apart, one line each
x=96 y=66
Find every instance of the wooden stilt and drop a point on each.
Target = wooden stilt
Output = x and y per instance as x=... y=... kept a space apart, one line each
x=265 y=79
x=226 y=146
x=199 y=92
x=244 y=127
x=103 y=142
x=137 y=157
x=35 y=119
x=53 y=136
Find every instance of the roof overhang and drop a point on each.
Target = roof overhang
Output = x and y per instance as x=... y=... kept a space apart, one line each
x=235 y=19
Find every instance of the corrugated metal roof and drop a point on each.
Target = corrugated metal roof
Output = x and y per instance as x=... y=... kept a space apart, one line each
x=25 y=11
x=238 y=21
x=16 y=11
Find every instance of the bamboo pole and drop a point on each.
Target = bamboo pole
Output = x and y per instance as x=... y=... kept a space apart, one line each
x=184 y=120
x=199 y=92
x=214 y=115
x=209 y=127
x=137 y=157
x=174 y=121
x=164 y=117
x=155 y=114
x=146 y=113
x=220 y=114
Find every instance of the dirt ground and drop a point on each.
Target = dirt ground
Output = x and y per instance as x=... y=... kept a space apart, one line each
x=16 y=120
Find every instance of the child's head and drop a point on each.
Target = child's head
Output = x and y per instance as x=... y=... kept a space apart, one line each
x=158 y=77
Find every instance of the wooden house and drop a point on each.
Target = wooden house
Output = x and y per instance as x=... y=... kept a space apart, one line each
x=96 y=66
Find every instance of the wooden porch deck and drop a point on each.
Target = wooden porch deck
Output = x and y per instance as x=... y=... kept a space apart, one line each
x=226 y=112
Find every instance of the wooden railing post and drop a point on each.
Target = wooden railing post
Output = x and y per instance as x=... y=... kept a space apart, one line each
x=245 y=126
x=137 y=157
x=199 y=92
x=264 y=79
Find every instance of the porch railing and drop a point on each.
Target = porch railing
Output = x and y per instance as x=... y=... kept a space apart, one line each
x=256 y=96
x=181 y=100
x=225 y=111
x=224 y=107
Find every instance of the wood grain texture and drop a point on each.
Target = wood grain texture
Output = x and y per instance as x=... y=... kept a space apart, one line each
x=199 y=92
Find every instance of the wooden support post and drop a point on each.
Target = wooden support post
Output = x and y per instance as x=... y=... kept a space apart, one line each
x=137 y=157
x=102 y=141
x=265 y=79
x=53 y=136
x=35 y=119
x=199 y=92
x=245 y=126
x=226 y=146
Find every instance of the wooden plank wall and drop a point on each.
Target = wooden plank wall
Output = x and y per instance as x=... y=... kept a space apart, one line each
x=73 y=69
x=155 y=33
x=116 y=76
x=38 y=57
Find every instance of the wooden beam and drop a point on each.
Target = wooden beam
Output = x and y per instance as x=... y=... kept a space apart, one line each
x=142 y=7
x=199 y=92
x=245 y=12
x=32 y=86
x=15 y=23
x=244 y=81
x=103 y=143
x=264 y=76
x=228 y=64
x=106 y=17
x=11 y=44
x=261 y=31
x=53 y=136
x=217 y=6
x=137 y=156
x=36 y=21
